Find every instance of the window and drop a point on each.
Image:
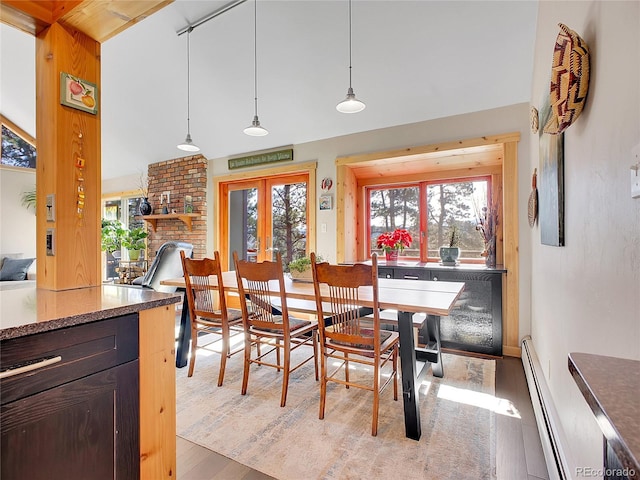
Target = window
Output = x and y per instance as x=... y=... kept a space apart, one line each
x=429 y=210
x=455 y=204
x=392 y=208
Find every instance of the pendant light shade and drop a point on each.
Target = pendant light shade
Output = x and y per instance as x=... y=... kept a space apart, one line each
x=350 y=104
x=255 y=129
x=188 y=145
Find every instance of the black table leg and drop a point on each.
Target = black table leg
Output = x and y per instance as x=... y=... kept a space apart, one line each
x=433 y=327
x=410 y=393
x=184 y=335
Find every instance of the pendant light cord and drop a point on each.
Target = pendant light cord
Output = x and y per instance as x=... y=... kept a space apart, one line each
x=349 y=43
x=188 y=80
x=255 y=55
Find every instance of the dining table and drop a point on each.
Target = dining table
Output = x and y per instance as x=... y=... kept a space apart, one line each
x=407 y=297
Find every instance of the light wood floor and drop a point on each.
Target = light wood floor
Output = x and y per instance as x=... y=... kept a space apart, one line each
x=518 y=449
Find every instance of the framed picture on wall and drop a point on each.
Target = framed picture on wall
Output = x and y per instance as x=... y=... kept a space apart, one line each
x=325 y=202
x=78 y=93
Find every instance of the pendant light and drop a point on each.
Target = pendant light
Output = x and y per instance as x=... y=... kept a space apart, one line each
x=188 y=145
x=350 y=104
x=255 y=129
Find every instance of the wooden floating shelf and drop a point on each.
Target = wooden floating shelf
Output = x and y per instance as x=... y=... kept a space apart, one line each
x=183 y=217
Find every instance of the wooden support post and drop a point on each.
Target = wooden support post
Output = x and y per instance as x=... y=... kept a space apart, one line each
x=64 y=134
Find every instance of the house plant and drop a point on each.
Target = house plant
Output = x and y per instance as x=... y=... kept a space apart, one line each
x=393 y=243
x=300 y=268
x=134 y=241
x=450 y=253
x=111 y=235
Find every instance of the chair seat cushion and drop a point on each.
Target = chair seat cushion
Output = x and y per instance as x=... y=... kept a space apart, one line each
x=233 y=314
x=364 y=332
x=294 y=324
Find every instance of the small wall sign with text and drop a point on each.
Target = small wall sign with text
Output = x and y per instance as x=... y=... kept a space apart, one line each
x=261 y=158
x=78 y=93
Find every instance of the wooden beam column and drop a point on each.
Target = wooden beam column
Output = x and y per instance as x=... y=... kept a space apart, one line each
x=64 y=134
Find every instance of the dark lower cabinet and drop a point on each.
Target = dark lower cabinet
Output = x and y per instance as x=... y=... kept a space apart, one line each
x=76 y=418
x=475 y=324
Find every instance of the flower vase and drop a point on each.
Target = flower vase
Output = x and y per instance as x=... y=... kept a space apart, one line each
x=391 y=255
x=490 y=250
x=145 y=207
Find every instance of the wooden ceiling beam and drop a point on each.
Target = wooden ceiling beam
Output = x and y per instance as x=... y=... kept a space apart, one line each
x=98 y=19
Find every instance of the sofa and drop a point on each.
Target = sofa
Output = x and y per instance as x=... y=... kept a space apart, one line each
x=16 y=272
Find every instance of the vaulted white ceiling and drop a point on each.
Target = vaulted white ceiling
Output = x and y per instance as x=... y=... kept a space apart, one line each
x=412 y=61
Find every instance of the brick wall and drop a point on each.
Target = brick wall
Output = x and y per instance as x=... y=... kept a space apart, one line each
x=180 y=176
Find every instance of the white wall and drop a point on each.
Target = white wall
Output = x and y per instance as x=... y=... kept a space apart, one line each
x=17 y=224
x=18 y=78
x=585 y=296
x=514 y=118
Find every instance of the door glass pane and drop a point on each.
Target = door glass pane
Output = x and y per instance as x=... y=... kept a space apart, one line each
x=289 y=221
x=111 y=211
x=455 y=204
x=243 y=222
x=392 y=208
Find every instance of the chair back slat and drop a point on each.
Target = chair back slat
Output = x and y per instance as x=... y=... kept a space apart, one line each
x=202 y=299
x=256 y=281
x=343 y=285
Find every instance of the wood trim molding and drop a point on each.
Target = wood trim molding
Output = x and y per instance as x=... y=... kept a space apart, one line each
x=433 y=148
x=16 y=129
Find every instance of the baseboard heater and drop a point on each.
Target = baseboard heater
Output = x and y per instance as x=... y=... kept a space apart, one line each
x=545 y=413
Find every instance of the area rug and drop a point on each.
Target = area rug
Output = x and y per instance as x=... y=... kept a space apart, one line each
x=291 y=443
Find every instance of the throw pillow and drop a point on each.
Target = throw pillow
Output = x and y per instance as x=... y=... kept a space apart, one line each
x=15 y=269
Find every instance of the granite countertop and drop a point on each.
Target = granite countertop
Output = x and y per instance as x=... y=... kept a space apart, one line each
x=611 y=387
x=29 y=310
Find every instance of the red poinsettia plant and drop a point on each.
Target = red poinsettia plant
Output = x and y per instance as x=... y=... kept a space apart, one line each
x=396 y=240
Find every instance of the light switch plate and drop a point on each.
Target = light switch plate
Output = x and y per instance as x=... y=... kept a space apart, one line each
x=51 y=207
x=51 y=242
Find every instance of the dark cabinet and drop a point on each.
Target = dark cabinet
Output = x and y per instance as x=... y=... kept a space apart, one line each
x=78 y=414
x=475 y=324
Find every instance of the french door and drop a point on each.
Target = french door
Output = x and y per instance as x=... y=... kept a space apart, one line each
x=260 y=217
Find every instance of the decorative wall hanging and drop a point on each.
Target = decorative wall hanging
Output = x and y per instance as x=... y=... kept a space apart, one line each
x=261 y=158
x=533 y=199
x=188 y=204
x=78 y=93
x=80 y=196
x=325 y=202
x=533 y=117
x=326 y=185
x=569 y=80
x=551 y=185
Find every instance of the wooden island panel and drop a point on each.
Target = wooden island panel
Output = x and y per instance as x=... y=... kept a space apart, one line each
x=157 y=393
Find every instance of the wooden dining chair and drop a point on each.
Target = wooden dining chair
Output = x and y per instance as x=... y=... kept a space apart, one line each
x=267 y=321
x=208 y=311
x=352 y=333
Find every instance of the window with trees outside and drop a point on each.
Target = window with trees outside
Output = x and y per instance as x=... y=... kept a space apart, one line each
x=429 y=211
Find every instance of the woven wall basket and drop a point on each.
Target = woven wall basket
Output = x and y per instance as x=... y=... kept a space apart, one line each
x=569 y=80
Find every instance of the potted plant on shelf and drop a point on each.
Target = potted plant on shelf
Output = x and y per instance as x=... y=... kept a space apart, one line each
x=393 y=243
x=300 y=268
x=449 y=254
x=134 y=241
